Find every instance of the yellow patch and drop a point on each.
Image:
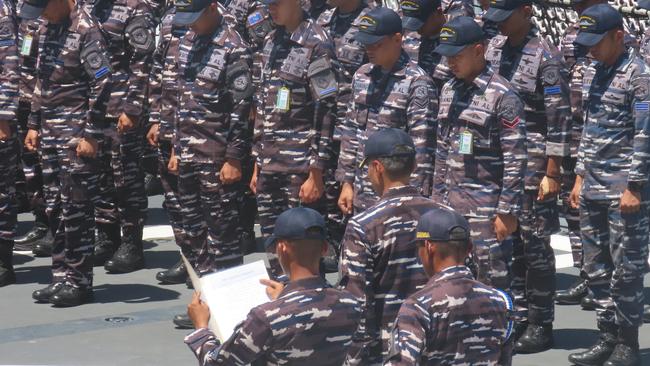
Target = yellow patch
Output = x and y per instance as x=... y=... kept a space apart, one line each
x=422 y=235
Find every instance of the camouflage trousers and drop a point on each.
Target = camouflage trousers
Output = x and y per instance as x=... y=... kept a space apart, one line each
x=123 y=187
x=571 y=215
x=71 y=188
x=533 y=261
x=490 y=259
x=8 y=211
x=210 y=217
x=336 y=220
x=615 y=250
x=169 y=182
x=29 y=180
x=276 y=193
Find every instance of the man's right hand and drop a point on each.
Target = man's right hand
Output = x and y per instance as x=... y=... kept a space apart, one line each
x=574 y=196
x=152 y=135
x=31 y=140
x=172 y=166
x=253 y=183
x=504 y=225
x=5 y=131
x=346 y=198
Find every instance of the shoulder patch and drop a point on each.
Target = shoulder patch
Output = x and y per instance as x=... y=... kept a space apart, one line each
x=511 y=110
x=641 y=87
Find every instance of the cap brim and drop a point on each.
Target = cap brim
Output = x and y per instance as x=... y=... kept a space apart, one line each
x=270 y=241
x=497 y=15
x=643 y=4
x=184 y=19
x=367 y=39
x=449 y=50
x=412 y=24
x=30 y=12
x=589 y=39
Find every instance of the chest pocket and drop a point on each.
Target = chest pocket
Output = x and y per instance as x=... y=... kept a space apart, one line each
x=525 y=77
x=479 y=123
x=392 y=112
x=348 y=51
x=294 y=67
x=212 y=69
x=64 y=60
x=116 y=23
x=446 y=99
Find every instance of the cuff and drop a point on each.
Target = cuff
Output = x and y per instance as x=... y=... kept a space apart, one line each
x=198 y=335
x=558 y=149
x=235 y=153
x=318 y=163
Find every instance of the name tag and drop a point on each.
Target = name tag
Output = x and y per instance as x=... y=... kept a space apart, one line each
x=465 y=143
x=255 y=19
x=26 y=47
x=283 y=100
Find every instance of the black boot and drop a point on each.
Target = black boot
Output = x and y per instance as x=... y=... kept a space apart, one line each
x=35 y=234
x=43 y=247
x=106 y=243
x=7 y=274
x=624 y=355
x=43 y=295
x=646 y=314
x=588 y=303
x=152 y=185
x=129 y=257
x=598 y=353
x=175 y=275
x=536 y=338
x=573 y=294
x=69 y=296
x=519 y=329
x=183 y=321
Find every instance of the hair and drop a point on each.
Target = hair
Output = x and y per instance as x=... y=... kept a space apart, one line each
x=307 y=252
x=399 y=167
x=456 y=248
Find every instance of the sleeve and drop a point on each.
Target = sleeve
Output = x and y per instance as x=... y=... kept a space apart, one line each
x=409 y=335
x=34 y=119
x=240 y=84
x=247 y=344
x=439 y=189
x=421 y=113
x=641 y=144
x=323 y=79
x=140 y=33
x=512 y=130
x=94 y=59
x=356 y=273
x=9 y=67
x=258 y=103
x=155 y=78
x=557 y=105
x=347 y=164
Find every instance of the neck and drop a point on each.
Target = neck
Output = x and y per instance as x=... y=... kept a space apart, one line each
x=389 y=64
x=470 y=78
x=299 y=272
x=620 y=49
x=349 y=6
x=443 y=264
x=517 y=39
x=396 y=184
x=215 y=24
x=295 y=21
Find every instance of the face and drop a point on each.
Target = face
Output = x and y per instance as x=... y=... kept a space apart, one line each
x=56 y=11
x=517 y=21
x=434 y=23
x=466 y=62
x=384 y=51
x=282 y=11
x=206 y=22
x=375 y=170
x=605 y=51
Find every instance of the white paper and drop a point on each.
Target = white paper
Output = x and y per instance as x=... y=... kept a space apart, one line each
x=231 y=294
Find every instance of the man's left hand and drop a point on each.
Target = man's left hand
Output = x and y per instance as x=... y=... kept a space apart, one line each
x=198 y=311
x=124 y=123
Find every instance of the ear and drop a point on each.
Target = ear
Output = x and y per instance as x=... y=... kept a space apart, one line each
x=324 y=249
x=528 y=11
x=619 y=35
x=470 y=246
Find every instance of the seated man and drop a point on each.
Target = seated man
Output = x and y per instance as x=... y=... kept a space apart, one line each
x=315 y=330
x=454 y=319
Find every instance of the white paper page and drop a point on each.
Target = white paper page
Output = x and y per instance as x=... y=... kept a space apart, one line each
x=231 y=294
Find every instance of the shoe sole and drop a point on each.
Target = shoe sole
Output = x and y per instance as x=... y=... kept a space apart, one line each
x=124 y=270
x=168 y=282
x=528 y=352
x=567 y=302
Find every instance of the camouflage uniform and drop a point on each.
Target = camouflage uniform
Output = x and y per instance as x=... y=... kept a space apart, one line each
x=214 y=104
x=379 y=266
x=315 y=8
x=351 y=55
x=70 y=100
x=537 y=73
x=129 y=26
x=645 y=46
x=490 y=179
x=314 y=331
x=289 y=141
x=614 y=153
x=9 y=79
x=403 y=98
x=456 y=8
x=421 y=51
x=453 y=320
x=163 y=101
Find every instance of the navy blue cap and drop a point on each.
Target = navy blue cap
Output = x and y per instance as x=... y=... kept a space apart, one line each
x=385 y=143
x=377 y=24
x=416 y=12
x=297 y=224
x=32 y=9
x=441 y=225
x=500 y=10
x=643 y=4
x=457 y=34
x=189 y=11
x=595 y=22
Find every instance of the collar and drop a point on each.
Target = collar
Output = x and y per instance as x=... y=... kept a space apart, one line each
x=300 y=35
x=303 y=284
x=452 y=273
x=481 y=81
x=621 y=64
x=401 y=191
x=398 y=70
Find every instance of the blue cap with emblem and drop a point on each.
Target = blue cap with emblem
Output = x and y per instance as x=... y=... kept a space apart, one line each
x=595 y=22
x=416 y=12
x=500 y=10
x=442 y=225
x=189 y=11
x=297 y=224
x=457 y=34
x=377 y=24
x=32 y=9
x=386 y=143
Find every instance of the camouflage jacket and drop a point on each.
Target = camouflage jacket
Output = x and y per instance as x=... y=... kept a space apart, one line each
x=315 y=8
x=130 y=29
x=488 y=177
x=252 y=20
x=29 y=33
x=456 y=8
x=215 y=96
x=379 y=266
x=9 y=63
x=421 y=51
x=645 y=46
x=404 y=98
x=537 y=72
x=296 y=100
x=163 y=82
x=310 y=323
x=453 y=320
x=73 y=81
x=350 y=54
x=615 y=143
